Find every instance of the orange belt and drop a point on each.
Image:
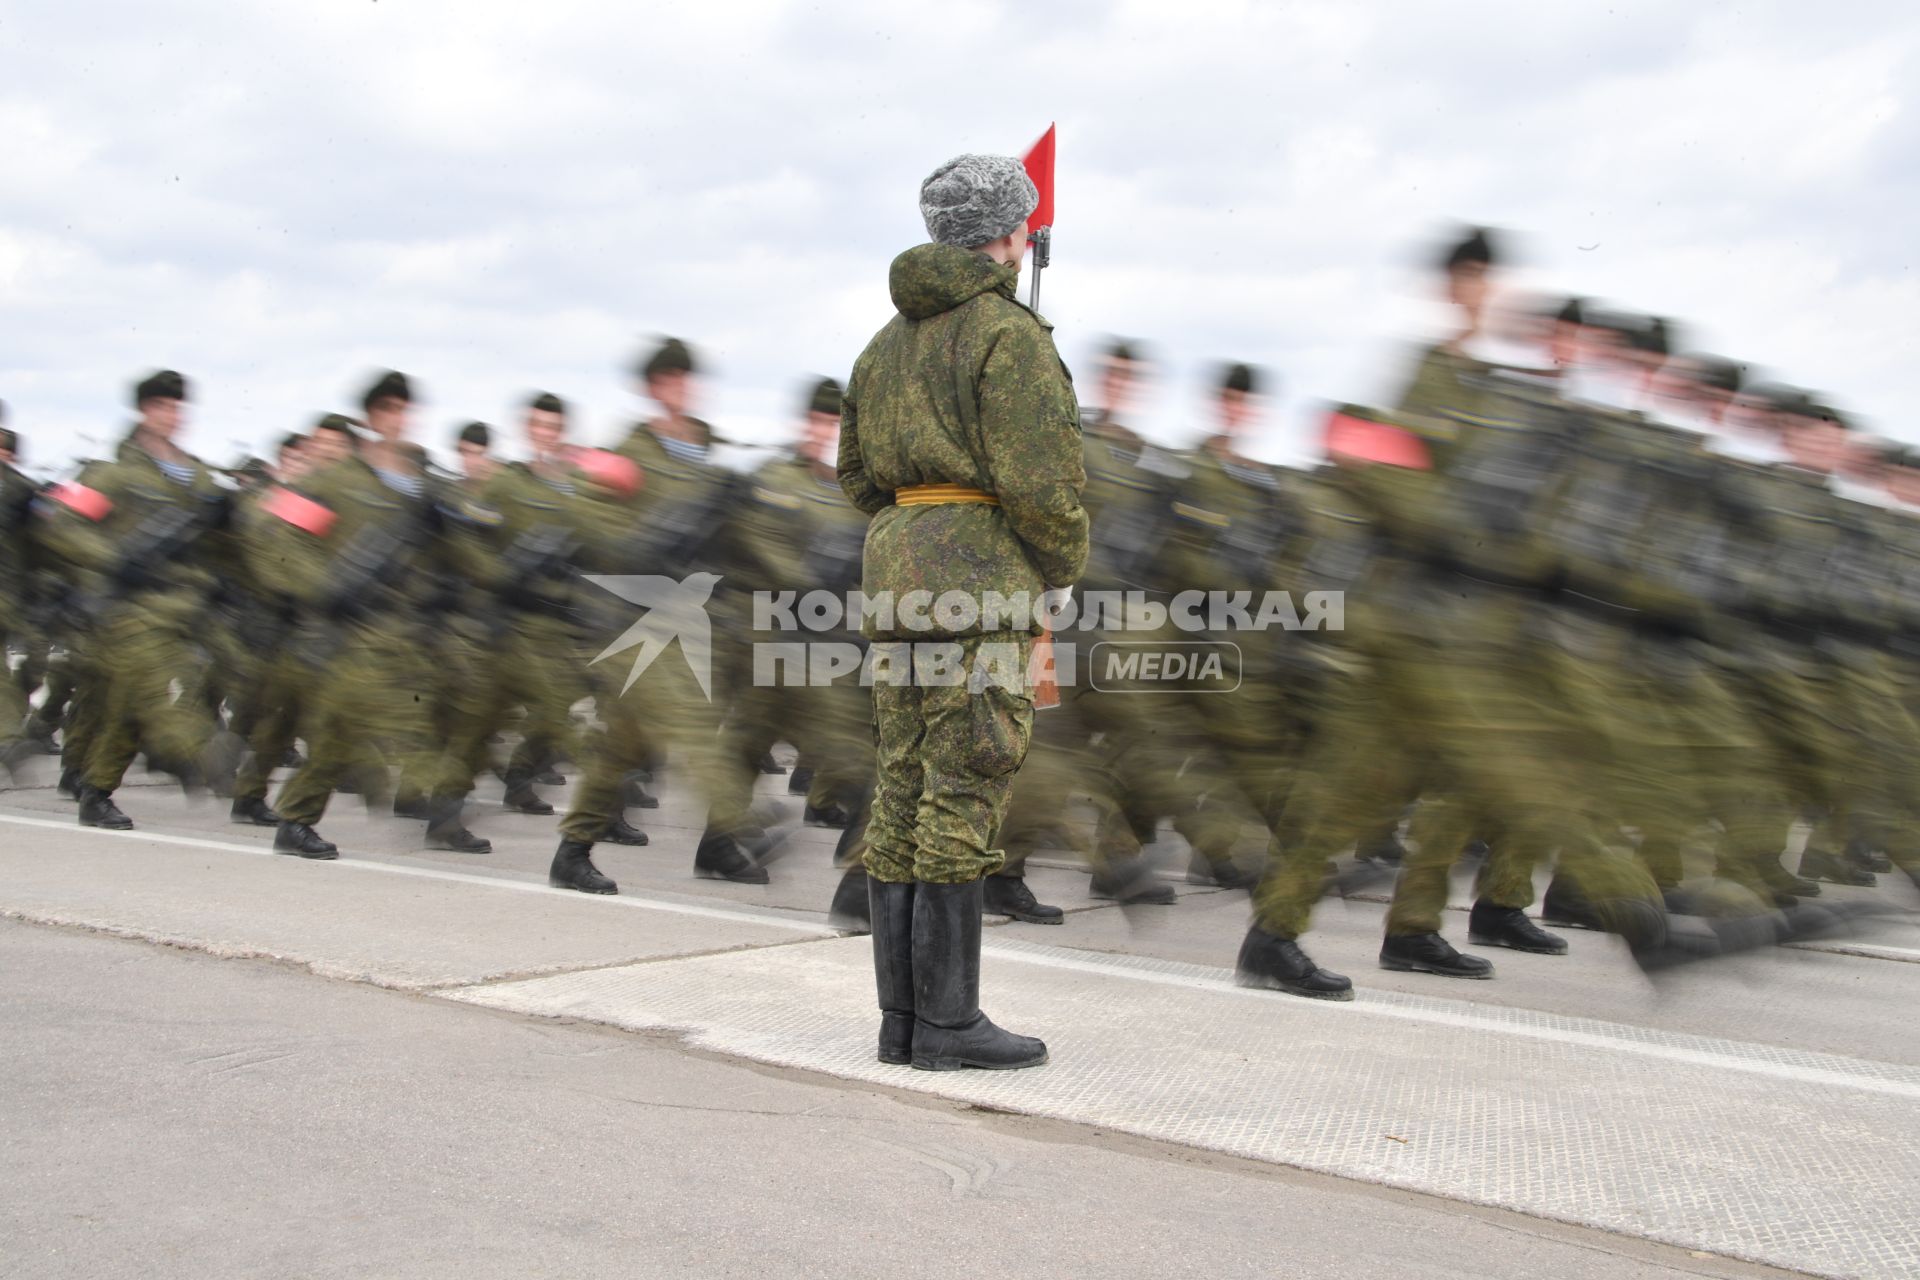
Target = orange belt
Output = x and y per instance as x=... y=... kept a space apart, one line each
x=924 y=495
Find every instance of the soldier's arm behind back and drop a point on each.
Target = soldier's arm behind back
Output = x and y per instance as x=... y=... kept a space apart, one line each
x=1031 y=427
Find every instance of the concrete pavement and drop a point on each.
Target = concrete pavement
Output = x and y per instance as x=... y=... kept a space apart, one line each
x=1762 y=1109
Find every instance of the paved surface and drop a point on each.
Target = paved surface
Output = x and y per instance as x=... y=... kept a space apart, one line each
x=1760 y=1110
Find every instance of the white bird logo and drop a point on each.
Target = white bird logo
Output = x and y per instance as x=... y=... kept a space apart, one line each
x=675 y=610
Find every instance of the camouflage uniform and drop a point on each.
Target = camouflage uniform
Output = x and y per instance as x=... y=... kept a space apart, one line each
x=962 y=388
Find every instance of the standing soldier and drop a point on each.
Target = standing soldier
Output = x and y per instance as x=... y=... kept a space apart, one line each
x=960 y=438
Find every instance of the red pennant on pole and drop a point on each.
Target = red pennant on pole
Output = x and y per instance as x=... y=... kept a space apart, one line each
x=1039 y=162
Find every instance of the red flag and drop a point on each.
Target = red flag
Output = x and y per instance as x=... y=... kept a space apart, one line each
x=1358 y=439
x=300 y=511
x=1039 y=162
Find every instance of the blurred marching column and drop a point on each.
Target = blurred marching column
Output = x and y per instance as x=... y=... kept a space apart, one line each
x=363 y=571
x=145 y=537
x=671 y=540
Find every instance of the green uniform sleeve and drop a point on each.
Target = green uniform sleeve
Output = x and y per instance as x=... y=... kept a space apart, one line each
x=1031 y=427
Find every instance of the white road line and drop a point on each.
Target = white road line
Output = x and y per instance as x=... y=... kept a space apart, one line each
x=1727 y=1055
x=1866 y=950
x=737 y=915
x=1730 y=1055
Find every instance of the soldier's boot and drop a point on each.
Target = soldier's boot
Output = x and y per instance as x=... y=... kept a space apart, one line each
x=850 y=910
x=1783 y=882
x=1223 y=872
x=550 y=777
x=800 y=781
x=634 y=787
x=521 y=797
x=412 y=804
x=1006 y=895
x=1131 y=882
x=1386 y=849
x=620 y=831
x=16 y=753
x=1430 y=953
x=253 y=811
x=1564 y=906
x=826 y=815
x=1274 y=962
x=446 y=831
x=1489 y=925
x=890 y=909
x=573 y=869
x=1818 y=864
x=69 y=784
x=302 y=841
x=766 y=764
x=720 y=857
x=1864 y=855
x=97 y=809
x=292 y=759
x=949 y=1030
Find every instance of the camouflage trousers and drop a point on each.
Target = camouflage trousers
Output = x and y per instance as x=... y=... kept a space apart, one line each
x=148 y=681
x=947 y=752
x=530 y=664
x=373 y=690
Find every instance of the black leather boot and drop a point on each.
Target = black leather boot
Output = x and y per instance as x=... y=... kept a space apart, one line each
x=800 y=781
x=1224 y=872
x=97 y=809
x=1275 y=963
x=890 y=907
x=446 y=831
x=253 y=811
x=1005 y=895
x=573 y=869
x=302 y=841
x=719 y=857
x=634 y=787
x=1131 y=882
x=550 y=777
x=1564 y=905
x=521 y=797
x=827 y=815
x=949 y=1031
x=69 y=784
x=413 y=805
x=1818 y=864
x=1492 y=926
x=1430 y=953
x=620 y=831
x=1783 y=883
x=1867 y=858
x=849 y=910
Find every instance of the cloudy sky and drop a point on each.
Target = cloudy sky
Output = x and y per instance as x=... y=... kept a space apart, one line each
x=496 y=196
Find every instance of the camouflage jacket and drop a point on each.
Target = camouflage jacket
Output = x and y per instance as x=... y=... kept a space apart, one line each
x=963 y=387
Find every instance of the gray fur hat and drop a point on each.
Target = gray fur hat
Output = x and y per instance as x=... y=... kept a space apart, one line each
x=971 y=199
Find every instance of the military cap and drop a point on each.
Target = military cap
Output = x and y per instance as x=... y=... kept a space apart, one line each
x=388 y=386
x=1781 y=398
x=1239 y=377
x=824 y=397
x=1718 y=373
x=476 y=433
x=671 y=356
x=164 y=385
x=290 y=442
x=1654 y=336
x=1123 y=350
x=1475 y=247
x=973 y=199
x=547 y=402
